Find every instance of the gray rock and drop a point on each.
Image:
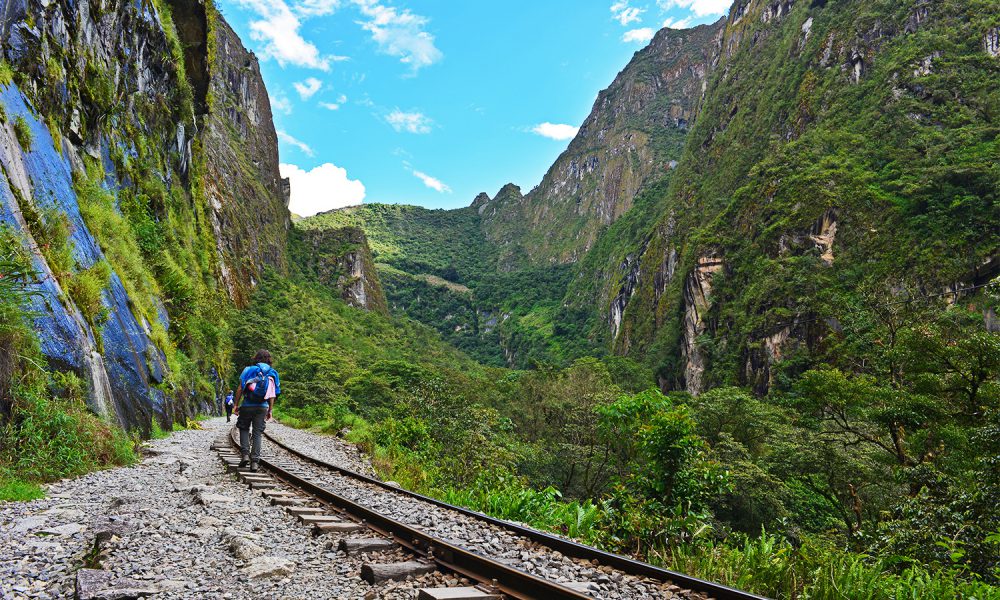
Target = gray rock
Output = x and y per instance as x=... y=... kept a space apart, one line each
x=208 y=498
x=95 y=584
x=28 y=523
x=269 y=566
x=67 y=529
x=244 y=549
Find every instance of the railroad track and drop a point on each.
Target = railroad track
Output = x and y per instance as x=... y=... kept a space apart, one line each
x=508 y=560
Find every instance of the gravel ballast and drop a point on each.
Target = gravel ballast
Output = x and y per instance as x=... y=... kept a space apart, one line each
x=173 y=524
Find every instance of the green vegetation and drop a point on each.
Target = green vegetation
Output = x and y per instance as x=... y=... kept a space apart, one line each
x=47 y=432
x=85 y=289
x=16 y=490
x=437 y=268
x=685 y=482
x=23 y=132
x=446 y=243
x=6 y=73
x=845 y=440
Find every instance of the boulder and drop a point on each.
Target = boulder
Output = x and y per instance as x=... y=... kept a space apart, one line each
x=95 y=584
x=269 y=566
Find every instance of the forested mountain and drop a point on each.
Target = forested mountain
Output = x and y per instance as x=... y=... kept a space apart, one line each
x=809 y=284
x=744 y=327
x=794 y=141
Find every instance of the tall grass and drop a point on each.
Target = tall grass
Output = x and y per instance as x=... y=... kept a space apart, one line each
x=768 y=565
x=23 y=133
x=771 y=566
x=6 y=73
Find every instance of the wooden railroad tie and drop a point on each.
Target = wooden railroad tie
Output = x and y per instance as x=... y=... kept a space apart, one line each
x=377 y=573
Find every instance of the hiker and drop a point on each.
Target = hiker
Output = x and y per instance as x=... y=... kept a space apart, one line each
x=259 y=386
x=229 y=406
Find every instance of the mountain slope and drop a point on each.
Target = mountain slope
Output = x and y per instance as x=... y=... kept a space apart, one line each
x=841 y=147
x=507 y=253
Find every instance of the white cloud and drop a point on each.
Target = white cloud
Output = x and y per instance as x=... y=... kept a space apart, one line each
x=555 y=131
x=341 y=100
x=432 y=182
x=317 y=8
x=678 y=23
x=399 y=33
x=283 y=136
x=281 y=103
x=700 y=8
x=642 y=35
x=625 y=14
x=323 y=188
x=413 y=122
x=308 y=88
x=278 y=31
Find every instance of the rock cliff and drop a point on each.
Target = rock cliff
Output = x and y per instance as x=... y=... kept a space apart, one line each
x=341 y=259
x=244 y=189
x=105 y=188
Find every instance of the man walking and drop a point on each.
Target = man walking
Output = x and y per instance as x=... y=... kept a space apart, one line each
x=259 y=386
x=228 y=402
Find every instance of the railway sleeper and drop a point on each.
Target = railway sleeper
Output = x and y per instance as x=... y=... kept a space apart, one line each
x=365 y=545
x=304 y=510
x=457 y=593
x=377 y=573
x=285 y=501
x=337 y=527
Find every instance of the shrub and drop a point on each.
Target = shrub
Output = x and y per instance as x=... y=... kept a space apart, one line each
x=23 y=132
x=6 y=73
x=85 y=289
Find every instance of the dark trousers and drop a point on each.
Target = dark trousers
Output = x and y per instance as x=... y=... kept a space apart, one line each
x=251 y=416
x=229 y=412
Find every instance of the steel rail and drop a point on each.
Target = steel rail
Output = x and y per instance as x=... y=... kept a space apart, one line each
x=508 y=580
x=567 y=547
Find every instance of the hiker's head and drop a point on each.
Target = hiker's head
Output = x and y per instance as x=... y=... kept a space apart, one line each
x=262 y=356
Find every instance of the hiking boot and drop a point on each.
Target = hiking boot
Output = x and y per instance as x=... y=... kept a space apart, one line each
x=244 y=461
x=254 y=466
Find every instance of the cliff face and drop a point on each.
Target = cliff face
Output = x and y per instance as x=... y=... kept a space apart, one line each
x=104 y=189
x=814 y=170
x=633 y=135
x=341 y=259
x=241 y=159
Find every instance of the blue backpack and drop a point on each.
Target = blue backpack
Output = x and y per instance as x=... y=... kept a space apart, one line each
x=259 y=378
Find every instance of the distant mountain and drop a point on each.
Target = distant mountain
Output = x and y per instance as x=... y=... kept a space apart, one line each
x=634 y=135
x=738 y=192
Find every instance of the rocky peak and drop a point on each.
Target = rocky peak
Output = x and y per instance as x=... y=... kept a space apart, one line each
x=633 y=135
x=480 y=202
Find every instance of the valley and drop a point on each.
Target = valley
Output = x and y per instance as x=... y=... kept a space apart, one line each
x=744 y=328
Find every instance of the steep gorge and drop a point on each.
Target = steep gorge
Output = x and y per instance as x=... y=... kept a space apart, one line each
x=740 y=190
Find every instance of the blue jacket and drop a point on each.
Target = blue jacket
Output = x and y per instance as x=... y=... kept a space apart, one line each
x=248 y=373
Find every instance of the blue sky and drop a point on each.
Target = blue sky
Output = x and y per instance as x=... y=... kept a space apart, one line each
x=430 y=102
